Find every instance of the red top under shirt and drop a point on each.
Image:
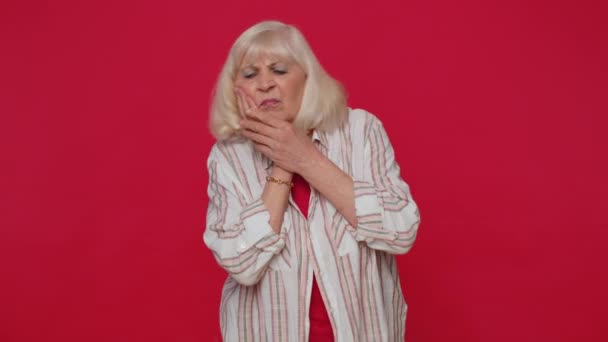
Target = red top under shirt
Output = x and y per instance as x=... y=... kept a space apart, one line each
x=320 y=326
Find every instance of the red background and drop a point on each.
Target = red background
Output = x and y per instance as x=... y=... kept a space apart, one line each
x=497 y=111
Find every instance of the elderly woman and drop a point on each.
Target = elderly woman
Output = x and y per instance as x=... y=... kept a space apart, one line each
x=306 y=204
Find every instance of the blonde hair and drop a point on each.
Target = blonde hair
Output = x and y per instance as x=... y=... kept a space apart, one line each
x=323 y=104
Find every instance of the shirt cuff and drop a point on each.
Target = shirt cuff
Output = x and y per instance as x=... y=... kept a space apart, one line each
x=369 y=211
x=258 y=232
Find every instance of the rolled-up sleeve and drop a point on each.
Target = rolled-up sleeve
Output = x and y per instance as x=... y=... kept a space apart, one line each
x=239 y=235
x=387 y=216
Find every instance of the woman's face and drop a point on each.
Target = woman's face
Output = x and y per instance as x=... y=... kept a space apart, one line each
x=275 y=84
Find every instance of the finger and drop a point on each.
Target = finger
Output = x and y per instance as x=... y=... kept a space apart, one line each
x=269 y=119
x=259 y=127
x=258 y=138
x=239 y=101
x=265 y=150
x=245 y=108
x=251 y=109
x=254 y=113
x=250 y=102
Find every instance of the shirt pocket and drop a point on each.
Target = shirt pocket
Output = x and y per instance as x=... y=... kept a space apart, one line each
x=348 y=244
x=344 y=239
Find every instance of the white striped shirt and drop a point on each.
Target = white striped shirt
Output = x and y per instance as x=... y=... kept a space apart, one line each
x=266 y=296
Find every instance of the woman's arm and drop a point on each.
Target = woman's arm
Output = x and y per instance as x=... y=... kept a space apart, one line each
x=334 y=184
x=378 y=207
x=239 y=233
x=276 y=197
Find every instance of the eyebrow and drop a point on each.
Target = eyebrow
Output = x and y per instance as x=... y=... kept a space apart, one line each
x=269 y=65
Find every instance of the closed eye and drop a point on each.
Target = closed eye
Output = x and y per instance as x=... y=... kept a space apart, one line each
x=249 y=74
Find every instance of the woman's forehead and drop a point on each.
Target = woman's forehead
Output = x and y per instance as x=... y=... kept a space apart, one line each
x=264 y=59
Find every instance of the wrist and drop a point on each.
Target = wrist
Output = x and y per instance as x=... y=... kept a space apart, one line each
x=280 y=173
x=311 y=164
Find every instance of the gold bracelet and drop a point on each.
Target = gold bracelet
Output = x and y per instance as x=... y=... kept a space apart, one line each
x=278 y=181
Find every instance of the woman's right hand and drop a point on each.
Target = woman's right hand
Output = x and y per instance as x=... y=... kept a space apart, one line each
x=248 y=110
x=245 y=103
x=276 y=138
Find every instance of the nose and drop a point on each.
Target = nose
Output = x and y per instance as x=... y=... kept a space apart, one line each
x=265 y=82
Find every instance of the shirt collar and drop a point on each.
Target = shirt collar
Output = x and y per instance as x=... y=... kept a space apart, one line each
x=320 y=137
